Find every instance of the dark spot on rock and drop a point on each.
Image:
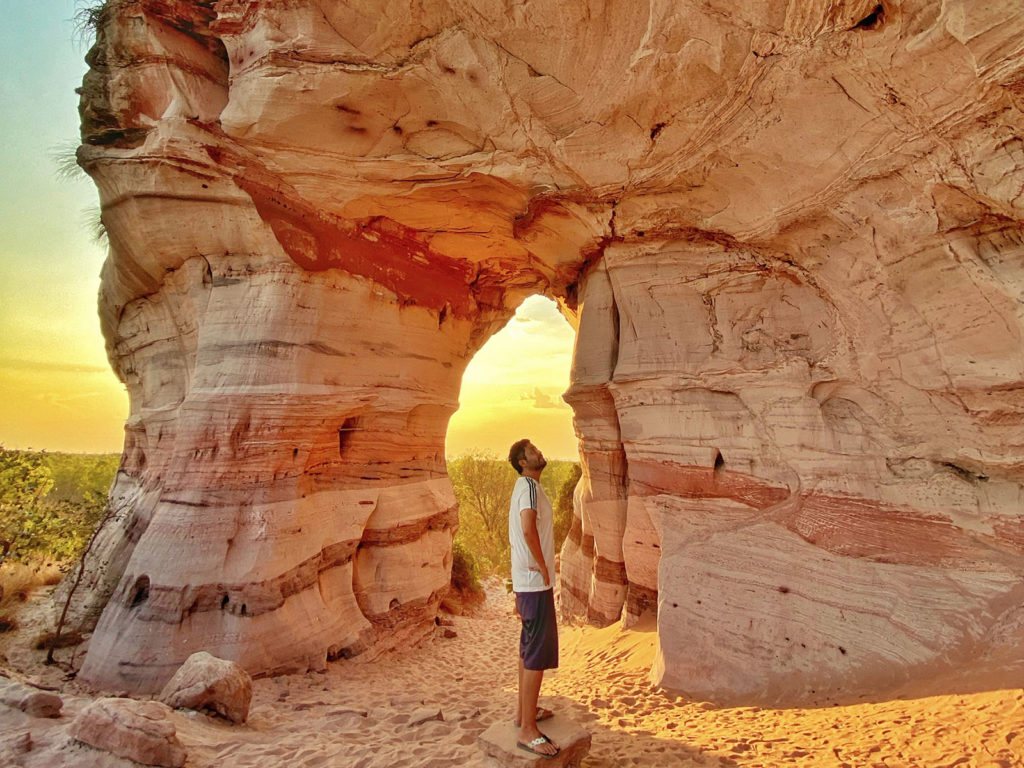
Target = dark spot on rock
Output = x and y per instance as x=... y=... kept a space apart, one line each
x=842 y=650
x=431 y=123
x=140 y=592
x=349 y=426
x=357 y=129
x=656 y=130
x=347 y=110
x=963 y=473
x=449 y=70
x=873 y=20
x=784 y=590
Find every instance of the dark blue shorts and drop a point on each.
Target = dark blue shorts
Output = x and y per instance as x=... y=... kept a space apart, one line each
x=538 y=643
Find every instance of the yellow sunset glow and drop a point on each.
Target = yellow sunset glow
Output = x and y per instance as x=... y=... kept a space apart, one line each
x=513 y=386
x=57 y=391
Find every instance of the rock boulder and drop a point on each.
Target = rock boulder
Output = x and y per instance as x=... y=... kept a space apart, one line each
x=137 y=730
x=29 y=700
x=205 y=682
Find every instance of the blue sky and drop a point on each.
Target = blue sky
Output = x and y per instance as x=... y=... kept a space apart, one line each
x=56 y=389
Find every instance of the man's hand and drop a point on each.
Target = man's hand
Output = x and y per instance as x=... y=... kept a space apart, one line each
x=543 y=571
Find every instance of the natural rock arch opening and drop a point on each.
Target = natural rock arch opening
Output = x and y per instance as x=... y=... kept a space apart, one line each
x=798 y=375
x=513 y=386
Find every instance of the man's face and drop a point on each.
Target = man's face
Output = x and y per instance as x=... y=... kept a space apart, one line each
x=533 y=458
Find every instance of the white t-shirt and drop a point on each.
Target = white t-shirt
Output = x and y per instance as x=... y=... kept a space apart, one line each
x=528 y=494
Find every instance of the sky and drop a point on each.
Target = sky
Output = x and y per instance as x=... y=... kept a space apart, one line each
x=504 y=399
x=57 y=390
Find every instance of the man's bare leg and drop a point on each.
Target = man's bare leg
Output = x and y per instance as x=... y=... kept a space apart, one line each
x=529 y=692
x=519 y=695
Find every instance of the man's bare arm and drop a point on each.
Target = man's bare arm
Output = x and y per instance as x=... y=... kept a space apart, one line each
x=529 y=521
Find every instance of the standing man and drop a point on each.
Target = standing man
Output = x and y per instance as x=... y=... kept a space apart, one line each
x=532 y=538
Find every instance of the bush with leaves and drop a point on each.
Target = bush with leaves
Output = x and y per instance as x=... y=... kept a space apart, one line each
x=563 y=505
x=483 y=485
x=465 y=568
x=50 y=503
x=78 y=477
x=24 y=482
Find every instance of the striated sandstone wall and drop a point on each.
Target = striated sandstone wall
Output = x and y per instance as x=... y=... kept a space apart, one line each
x=789 y=237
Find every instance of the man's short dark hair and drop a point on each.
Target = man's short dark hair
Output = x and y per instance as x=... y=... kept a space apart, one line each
x=517 y=453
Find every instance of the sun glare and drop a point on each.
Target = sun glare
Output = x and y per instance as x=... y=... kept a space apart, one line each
x=513 y=387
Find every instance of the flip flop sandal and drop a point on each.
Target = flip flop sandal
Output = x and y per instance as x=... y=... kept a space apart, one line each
x=542 y=739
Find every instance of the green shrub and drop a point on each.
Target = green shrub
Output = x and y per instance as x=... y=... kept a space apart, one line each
x=483 y=485
x=563 y=505
x=465 y=569
x=50 y=503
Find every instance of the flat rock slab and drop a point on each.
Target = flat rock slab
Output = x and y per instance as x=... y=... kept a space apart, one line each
x=499 y=743
x=138 y=730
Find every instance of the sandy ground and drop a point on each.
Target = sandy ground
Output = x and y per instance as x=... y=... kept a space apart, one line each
x=384 y=713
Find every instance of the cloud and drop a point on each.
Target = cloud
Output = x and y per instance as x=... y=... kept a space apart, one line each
x=51 y=367
x=538 y=317
x=542 y=399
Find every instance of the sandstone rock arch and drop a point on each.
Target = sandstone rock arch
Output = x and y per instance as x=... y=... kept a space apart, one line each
x=789 y=238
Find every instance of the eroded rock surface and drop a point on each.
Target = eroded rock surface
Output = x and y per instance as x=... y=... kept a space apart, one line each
x=205 y=682
x=137 y=730
x=14 y=745
x=789 y=236
x=31 y=701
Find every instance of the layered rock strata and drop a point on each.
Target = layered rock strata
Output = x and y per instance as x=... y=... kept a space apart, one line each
x=789 y=237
